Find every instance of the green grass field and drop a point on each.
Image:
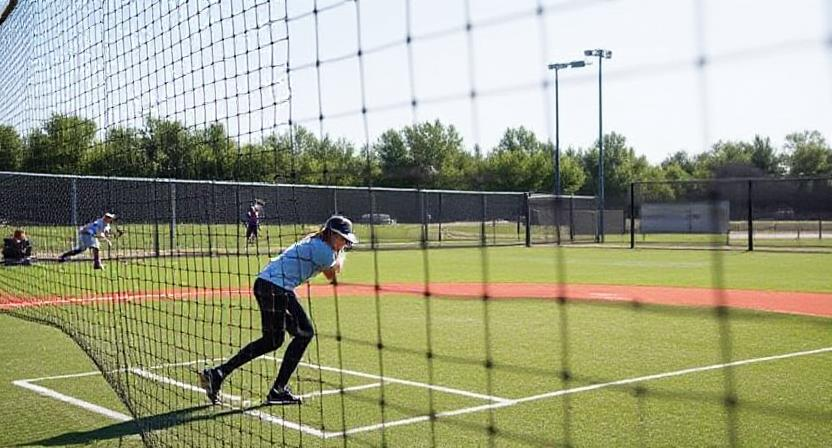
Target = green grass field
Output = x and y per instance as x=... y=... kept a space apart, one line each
x=778 y=402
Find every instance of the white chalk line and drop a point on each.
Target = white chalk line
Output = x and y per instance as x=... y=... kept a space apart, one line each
x=490 y=406
x=320 y=393
x=496 y=401
x=47 y=392
x=391 y=380
x=234 y=398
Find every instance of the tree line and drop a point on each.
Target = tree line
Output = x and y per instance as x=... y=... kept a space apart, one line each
x=422 y=155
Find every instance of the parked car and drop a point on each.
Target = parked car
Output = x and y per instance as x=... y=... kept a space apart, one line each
x=784 y=213
x=376 y=218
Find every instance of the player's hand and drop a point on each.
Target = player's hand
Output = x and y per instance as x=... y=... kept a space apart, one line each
x=329 y=273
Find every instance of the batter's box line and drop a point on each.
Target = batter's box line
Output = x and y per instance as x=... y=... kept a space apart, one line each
x=245 y=406
x=503 y=402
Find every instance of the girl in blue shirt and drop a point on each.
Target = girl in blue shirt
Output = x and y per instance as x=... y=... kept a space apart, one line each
x=280 y=311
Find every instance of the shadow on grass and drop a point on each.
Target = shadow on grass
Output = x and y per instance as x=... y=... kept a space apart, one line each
x=135 y=427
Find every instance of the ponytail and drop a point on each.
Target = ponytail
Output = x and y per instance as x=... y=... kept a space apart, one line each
x=323 y=233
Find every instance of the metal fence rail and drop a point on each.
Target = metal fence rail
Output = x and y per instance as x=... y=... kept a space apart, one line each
x=785 y=213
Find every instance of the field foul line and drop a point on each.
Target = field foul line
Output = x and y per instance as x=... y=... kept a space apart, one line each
x=321 y=393
x=500 y=402
x=391 y=380
x=575 y=390
x=243 y=403
x=96 y=372
x=47 y=392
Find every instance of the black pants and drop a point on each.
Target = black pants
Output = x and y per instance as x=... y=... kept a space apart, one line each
x=280 y=312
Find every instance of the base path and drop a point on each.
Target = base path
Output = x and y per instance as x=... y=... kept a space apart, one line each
x=814 y=304
x=804 y=303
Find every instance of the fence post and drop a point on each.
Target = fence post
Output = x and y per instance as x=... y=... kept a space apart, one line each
x=572 y=218
x=820 y=228
x=558 y=207
x=211 y=211
x=750 y=217
x=494 y=231
x=423 y=217
x=172 y=217
x=527 y=219
x=632 y=215
x=517 y=220
x=483 y=234
x=237 y=216
x=373 y=237
x=73 y=200
x=156 y=249
x=439 y=219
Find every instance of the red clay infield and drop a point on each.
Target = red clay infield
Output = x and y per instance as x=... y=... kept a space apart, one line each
x=814 y=304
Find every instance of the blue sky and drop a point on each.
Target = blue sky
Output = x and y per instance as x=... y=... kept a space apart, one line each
x=684 y=73
x=767 y=70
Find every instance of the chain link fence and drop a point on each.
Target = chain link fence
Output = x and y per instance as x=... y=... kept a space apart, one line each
x=733 y=213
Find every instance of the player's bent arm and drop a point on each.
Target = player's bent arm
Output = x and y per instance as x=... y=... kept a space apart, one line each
x=329 y=273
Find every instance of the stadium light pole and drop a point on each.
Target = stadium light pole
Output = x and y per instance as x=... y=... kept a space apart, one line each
x=601 y=54
x=557 y=66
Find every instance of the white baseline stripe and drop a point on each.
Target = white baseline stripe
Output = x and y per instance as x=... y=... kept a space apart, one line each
x=60 y=377
x=423 y=418
x=96 y=372
x=387 y=379
x=73 y=401
x=244 y=403
x=186 y=386
x=338 y=391
x=672 y=374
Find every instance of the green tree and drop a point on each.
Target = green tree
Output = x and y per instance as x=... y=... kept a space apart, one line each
x=808 y=154
x=765 y=157
x=679 y=160
x=520 y=162
x=214 y=153
x=11 y=149
x=120 y=155
x=255 y=163
x=60 y=145
x=426 y=155
x=170 y=148
x=572 y=174
x=739 y=159
x=621 y=167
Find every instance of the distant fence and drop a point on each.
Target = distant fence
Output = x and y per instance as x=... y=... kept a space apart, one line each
x=571 y=219
x=740 y=213
x=169 y=217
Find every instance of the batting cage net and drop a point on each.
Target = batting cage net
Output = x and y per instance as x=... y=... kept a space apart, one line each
x=169 y=173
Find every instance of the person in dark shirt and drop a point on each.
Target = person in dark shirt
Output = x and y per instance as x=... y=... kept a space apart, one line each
x=253 y=216
x=17 y=249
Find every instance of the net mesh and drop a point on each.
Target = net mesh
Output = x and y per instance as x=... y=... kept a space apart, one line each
x=436 y=334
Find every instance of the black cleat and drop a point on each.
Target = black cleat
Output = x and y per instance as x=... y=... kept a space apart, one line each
x=211 y=380
x=282 y=396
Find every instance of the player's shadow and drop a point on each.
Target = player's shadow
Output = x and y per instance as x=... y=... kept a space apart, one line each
x=136 y=427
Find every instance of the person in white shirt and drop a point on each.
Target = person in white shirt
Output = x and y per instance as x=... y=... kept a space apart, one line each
x=88 y=237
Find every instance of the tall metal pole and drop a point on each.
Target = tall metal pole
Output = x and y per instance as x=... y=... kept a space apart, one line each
x=556 y=67
x=600 y=155
x=557 y=138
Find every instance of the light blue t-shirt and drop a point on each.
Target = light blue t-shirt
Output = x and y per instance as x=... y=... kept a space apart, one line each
x=96 y=228
x=300 y=262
